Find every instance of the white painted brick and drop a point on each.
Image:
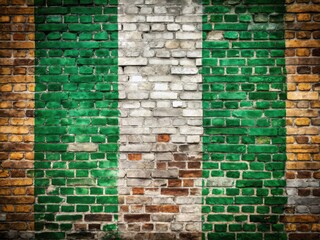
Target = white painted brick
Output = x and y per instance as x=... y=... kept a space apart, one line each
x=188 y=35
x=163 y=104
x=158 y=27
x=162 y=53
x=137 y=95
x=136 y=148
x=193 y=139
x=184 y=70
x=129 y=27
x=141 y=113
x=188 y=19
x=179 y=53
x=176 y=104
x=161 y=87
x=167 y=78
x=166 y=112
x=159 y=61
x=144 y=27
x=164 y=130
x=160 y=19
x=163 y=95
x=133 y=61
x=188 y=27
x=173 y=27
x=178 y=139
x=131 y=19
x=134 y=104
x=191 y=130
x=191 y=95
x=148 y=104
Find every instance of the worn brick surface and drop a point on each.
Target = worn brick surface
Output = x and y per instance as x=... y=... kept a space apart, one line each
x=244 y=94
x=161 y=119
x=302 y=61
x=161 y=134
x=16 y=119
x=76 y=127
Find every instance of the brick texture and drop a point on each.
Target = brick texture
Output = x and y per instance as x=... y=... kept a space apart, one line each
x=158 y=191
x=303 y=68
x=244 y=94
x=16 y=119
x=161 y=119
x=76 y=127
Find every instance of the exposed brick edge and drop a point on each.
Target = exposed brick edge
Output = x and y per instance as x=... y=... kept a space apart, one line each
x=302 y=217
x=16 y=119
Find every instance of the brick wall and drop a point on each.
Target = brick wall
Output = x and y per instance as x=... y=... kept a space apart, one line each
x=161 y=119
x=16 y=118
x=302 y=60
x=161 y=130
x=244 y=93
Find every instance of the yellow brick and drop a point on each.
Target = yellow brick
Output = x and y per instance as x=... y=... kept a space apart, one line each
x=315 y=139
x=304 y=86
x=291 y=227
x=302 y=148
x=307 y=78
x=28 y=138
x=16 y=182
x=303 y=165
x=17 y=121
x=4 y=173
x=31 y=87
x=8 y=208
x=6 y=88
x=302 y=130
x=15 y=138
x=290 y=139
x=303 y=157
x=303 y=52
x=20 y=87
x=303 y=95
x=302 y=43
x=29 y=156
x=291 y=86
x=289 y=17
x=3 y=138
x=302 y=121
x=301 y=113
x=23 y=208
x=16 y=156
x=19 y=191
x=302 y=8
x=315 y=227
x=291 y=157
x=303 y=17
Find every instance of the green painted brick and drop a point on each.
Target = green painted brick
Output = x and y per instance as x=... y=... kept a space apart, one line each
x=234 y=166
x=248 y=200
x=219 y=200
x=220 y=218
x=256 y=175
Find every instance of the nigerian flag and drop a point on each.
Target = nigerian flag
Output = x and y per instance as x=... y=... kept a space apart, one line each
x=160 y=119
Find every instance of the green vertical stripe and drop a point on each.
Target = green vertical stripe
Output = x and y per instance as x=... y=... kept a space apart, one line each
x=244 y=94
x=76 y=128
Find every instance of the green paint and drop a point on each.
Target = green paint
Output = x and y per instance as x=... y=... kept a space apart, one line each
x=244 y=92
x=76 y=102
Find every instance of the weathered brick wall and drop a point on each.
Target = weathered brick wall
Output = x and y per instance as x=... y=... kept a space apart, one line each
x=76 y=123
x=16 y=118
x=302 y=62
x=161 y=119
x=244 y=92
x=160 y=130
